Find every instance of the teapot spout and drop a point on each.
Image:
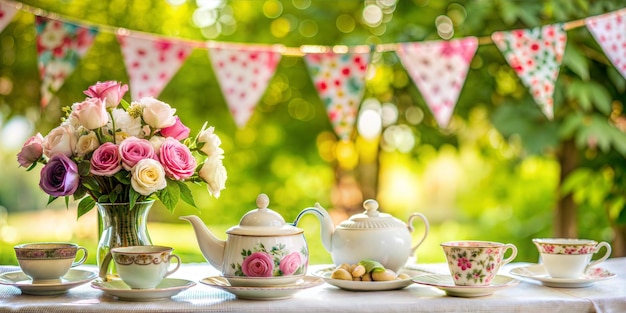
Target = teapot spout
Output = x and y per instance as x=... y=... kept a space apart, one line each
x=211 y=247
x=327 y=227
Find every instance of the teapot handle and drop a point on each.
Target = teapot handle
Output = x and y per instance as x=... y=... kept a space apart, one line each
x=411 y=229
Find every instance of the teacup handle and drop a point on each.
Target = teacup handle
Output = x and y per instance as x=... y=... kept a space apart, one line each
x=83 y=259
x=513 y=253
x=169 y=260
x=411 y=229
x=603 y=258
x=104 y=267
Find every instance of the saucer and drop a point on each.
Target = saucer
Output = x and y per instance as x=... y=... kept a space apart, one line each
x=445 y=283
x=538 y=272
x=263 y=293
x=73 y=278
x=367 y=285
x=167 y=288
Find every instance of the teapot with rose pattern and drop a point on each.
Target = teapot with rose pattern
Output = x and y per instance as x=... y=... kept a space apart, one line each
x=262 y=250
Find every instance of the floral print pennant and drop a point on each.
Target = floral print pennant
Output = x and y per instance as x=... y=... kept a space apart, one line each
x=151 y=63
x=439 y=69
x=340 y=82
x=243 y=73
x=7 y=12
x=535 y=55
x=60 y=45
x=609 y=30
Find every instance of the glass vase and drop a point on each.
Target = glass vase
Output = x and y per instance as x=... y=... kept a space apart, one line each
x=122 y=226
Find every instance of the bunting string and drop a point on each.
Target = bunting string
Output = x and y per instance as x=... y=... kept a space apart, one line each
x=243 y=70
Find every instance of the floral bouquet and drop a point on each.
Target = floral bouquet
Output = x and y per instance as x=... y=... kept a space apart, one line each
x=109 y=151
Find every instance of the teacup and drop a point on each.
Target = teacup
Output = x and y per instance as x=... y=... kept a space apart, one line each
x=48 y=261
x=476 y=263
x=141 y=267
x=569 y=258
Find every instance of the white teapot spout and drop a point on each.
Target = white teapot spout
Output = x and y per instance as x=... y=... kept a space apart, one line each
x=211 y=247
x=327 y=227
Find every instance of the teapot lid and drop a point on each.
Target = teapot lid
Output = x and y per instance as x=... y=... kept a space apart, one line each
x=371 y=218
x=263 y=222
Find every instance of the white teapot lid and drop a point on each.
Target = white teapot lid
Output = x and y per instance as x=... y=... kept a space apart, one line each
x=371 y=218
x=263 y=222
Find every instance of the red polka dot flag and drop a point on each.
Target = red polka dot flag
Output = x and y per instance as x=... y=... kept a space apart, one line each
x=7 y=12
x=609 y=30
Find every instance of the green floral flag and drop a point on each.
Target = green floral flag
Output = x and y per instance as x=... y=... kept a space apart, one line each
x=535 y=55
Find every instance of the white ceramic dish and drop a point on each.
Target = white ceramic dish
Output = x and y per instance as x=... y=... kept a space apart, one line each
x=168 y=288
x=263 y=293
x=73 y=278
x=445 y=283
x=539 y=273
x=367 y=285
x=263 y=281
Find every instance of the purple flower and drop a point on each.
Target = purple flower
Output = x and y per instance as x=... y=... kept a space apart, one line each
x=60 y=176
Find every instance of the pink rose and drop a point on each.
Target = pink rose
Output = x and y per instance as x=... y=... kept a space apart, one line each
x=133 y=150
x=258 y=264
x=156 y=113
x=111 y=92
x=290 y=263
x=106 y=160
x=91 y=113
x=31 y=151
x=176 y=159
x=178 y=131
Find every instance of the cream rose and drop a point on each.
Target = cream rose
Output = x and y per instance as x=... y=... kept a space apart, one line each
x=214 y=174
x=60 y=140
x=87 y=143
x=156 y=142
x=91 y=113
x=210 y=142
x=156 y=113
x=147 y=177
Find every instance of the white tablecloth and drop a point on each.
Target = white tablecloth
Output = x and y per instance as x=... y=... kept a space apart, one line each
x=528 y=296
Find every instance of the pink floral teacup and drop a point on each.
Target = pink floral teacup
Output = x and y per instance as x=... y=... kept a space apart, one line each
x=569 y=258
x=476 y=263
x=48 y=261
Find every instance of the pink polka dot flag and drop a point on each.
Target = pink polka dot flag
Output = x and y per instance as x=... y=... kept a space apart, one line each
x=535 y=55
x=609 y=30
x=439 y=69
x=151 y=63
x=243 y=73
x=7 y=12
x=340 y=82
x=60 y=45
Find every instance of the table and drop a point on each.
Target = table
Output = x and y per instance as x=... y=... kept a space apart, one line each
x=528 y=296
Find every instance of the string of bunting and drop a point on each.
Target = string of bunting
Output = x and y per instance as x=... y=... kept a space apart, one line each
x=243 y=71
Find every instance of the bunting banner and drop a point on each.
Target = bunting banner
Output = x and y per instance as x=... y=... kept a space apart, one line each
x=7 y=12
x=340 y=82
x=60 y=46
x=151 y=63
x=535 y=55
x=243 y=73
x=609 y=30
x=438 y=69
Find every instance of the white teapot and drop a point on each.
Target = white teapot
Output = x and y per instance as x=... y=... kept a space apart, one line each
x=262 y=250
x=368 y=235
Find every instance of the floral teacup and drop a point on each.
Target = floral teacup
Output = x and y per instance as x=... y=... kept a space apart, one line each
x=48 y=261
x=569 y=258
x=476 y=263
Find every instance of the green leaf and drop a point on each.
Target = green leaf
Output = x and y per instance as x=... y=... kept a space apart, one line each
x=133 y=196
x=185 y=194
x=123 y=177
x=576 y=61
x=83 y=168
x=90 y=182
x=617 y=79
x=50 y=199
x=600 y=97
x=169 y=195
x=85 y=206
x=124 y=104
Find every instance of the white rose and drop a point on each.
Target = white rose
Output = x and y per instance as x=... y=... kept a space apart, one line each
x=214 y=174
x=60 y=140
x=126 y=124
x=211 y=142
x=147 y=176
x=156 y=113
x=87 y=143
x=91 y=113
x=156 y=142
